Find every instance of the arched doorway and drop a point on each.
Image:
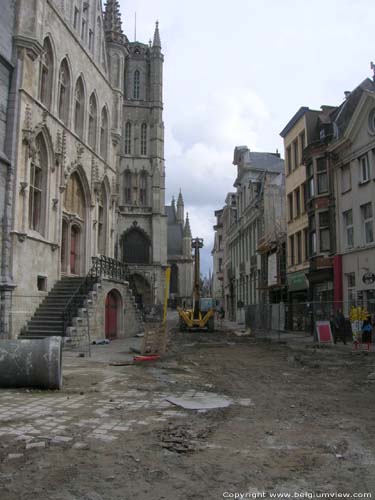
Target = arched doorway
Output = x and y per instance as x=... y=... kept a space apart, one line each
x=73 y=240
x=74 y=249
x=112 y=314
x=102 y=220
x=64 y=245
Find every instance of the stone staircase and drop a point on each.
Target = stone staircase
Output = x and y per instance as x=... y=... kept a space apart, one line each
x=48 y=319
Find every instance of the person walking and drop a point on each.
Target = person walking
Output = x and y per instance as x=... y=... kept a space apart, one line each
x=221 y=315
x=367 y=332
x=339 y=330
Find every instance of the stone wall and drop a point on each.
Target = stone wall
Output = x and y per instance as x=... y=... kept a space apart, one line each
x=92 y=317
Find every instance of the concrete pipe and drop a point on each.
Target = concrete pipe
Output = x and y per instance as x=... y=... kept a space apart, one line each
x=31 y=363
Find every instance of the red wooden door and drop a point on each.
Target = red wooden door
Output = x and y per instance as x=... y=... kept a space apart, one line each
x=73 y=250
x=111 y=316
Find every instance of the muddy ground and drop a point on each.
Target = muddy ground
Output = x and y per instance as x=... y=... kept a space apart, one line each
x=300 y=420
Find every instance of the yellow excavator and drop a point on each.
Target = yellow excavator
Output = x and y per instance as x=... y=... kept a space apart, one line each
x=201 y=317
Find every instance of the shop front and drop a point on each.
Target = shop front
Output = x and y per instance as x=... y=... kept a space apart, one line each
x=297 y=300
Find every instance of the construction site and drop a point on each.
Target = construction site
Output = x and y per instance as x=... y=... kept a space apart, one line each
x=221 y=413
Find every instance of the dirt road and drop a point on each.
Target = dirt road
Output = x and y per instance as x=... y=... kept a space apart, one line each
x=298 y=420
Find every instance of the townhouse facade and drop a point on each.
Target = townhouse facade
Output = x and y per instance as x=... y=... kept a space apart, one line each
x=297 y=134
x=244 y=222
x=353 y=159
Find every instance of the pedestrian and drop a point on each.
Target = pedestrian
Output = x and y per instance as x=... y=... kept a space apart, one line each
x=221 y=315
x=367 y=332
x=339 y=327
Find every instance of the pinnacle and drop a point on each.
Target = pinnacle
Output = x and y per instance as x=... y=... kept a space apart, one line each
x=157 y=42
x=180 y=200
x=187 y=230
x=112 y=16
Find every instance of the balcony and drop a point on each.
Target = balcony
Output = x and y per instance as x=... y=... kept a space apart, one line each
x=134 y=209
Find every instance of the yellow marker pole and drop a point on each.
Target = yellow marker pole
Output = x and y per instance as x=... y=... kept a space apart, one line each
x=166 y=294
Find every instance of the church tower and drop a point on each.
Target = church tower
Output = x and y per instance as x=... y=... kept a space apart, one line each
x=116 y=45
x=142 y=225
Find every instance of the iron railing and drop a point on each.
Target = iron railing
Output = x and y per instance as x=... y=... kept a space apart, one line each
x=102 y=267
x=106 y=267
x=77 y=299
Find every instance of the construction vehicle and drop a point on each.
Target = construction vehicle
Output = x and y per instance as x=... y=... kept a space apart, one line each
x=201 y=316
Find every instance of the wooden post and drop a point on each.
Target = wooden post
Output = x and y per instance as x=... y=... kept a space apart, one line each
x=166 y=293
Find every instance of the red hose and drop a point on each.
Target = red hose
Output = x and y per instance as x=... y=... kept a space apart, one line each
x=152 y=357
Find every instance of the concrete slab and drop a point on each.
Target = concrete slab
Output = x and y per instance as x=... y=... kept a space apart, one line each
x=200 y=401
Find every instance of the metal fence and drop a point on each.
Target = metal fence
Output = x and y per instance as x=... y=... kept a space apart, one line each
x=296 y=317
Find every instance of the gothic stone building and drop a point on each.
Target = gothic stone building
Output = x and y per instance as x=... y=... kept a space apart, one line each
x=6 y=166
x=89 y=153
x=179 y=254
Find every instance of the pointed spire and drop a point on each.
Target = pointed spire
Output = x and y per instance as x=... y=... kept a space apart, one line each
x=173 y=204
x=180 y=200
x=180 y=209
x=112 y=17
x=187 y=230
x=157 y=42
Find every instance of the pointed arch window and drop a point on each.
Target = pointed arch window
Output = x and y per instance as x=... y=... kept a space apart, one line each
x=115 y=69
x=46 y=74
x=127 y=187
x=136 y=84
x=37 y=191
x=144 y=139
x=104 y=134
x=128 y=138
x=136 y=247
x=64 y=91
x=93 y=121
x=143 y=189
x=79 y=107
x=74 y=197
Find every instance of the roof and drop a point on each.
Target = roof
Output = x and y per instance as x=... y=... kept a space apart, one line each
x=344 y=112
x=288 y=127
x=271 y=162
x=174 y=239
x=259 y=162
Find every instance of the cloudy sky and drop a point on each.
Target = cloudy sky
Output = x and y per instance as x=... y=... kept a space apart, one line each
x=236 y=72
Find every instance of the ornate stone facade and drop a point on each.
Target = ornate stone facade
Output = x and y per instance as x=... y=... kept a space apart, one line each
x=179 y=254
x=89 y=148
x=7 y=109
